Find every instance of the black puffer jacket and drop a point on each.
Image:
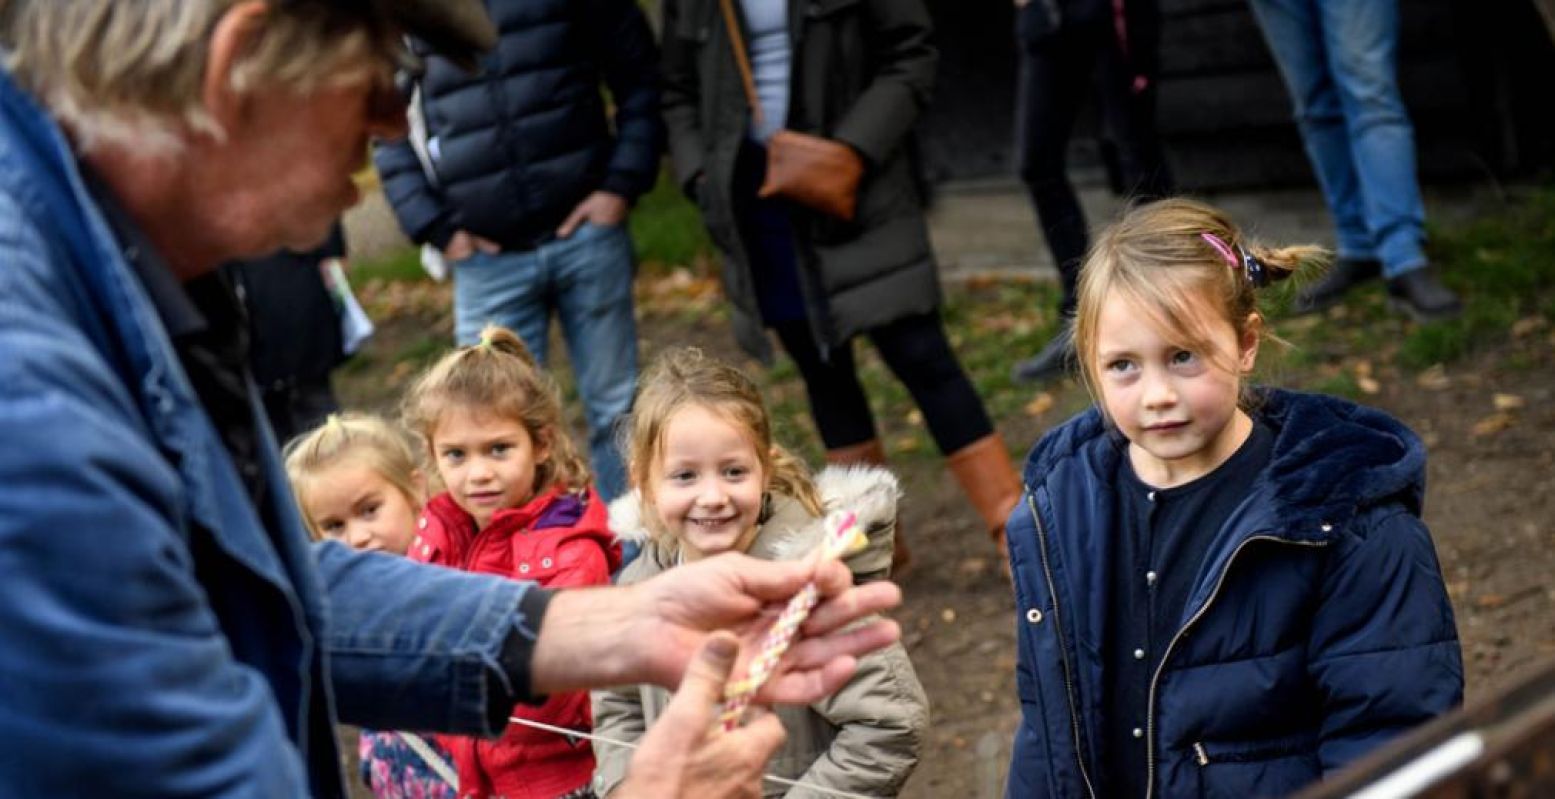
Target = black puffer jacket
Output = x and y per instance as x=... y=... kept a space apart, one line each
x=517 y=146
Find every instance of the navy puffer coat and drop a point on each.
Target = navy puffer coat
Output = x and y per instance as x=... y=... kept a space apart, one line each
x=516 y=147
x=1318 y=626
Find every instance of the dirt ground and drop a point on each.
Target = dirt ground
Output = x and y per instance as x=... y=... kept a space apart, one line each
x=1489 y=423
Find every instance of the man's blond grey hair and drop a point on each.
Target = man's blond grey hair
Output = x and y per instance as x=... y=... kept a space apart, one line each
x=131 y=71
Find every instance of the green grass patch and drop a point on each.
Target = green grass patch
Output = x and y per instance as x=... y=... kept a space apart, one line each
x=396 y=266
x=667 y=228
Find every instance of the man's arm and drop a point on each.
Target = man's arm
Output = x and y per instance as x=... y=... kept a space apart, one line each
x=622 y=44
x=421 y=647
x=581 y=642
x=423 y=213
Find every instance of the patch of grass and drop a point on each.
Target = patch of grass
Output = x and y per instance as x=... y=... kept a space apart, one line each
x=1340 y=385
x=667 y=228
x=396 y=266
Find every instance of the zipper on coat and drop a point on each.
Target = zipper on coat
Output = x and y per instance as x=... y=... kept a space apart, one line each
x=1155 y=679
x=1063 y=657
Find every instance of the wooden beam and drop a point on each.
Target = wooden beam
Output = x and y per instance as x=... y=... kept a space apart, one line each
x=1501 y=745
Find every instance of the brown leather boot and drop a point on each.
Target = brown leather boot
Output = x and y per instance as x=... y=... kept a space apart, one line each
x=872 y=453
x=985 y=473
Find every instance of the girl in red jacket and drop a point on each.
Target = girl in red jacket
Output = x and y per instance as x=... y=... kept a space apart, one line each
x=516 y=501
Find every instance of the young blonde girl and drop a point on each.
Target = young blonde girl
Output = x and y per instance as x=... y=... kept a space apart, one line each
x=356 y=481
x=708 y=479
x=1222 y=590
x=516 y=500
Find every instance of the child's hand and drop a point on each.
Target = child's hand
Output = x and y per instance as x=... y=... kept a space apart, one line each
x=683 y=756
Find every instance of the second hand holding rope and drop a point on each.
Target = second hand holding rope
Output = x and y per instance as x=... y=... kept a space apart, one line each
x=843 y=537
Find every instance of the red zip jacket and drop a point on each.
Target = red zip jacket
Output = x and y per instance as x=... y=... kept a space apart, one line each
x=557 y=539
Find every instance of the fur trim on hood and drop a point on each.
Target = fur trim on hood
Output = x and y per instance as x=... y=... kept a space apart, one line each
x=791 y=532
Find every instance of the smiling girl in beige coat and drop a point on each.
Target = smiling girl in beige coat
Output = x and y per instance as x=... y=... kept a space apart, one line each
x=708 y=479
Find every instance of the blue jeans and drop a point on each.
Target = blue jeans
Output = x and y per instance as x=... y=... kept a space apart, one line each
x=1339 y=59
x=587 y=280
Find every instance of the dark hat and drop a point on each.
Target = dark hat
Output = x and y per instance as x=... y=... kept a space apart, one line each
x=459 y=30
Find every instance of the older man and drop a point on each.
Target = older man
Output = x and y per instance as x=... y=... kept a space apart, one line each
x=165 y=630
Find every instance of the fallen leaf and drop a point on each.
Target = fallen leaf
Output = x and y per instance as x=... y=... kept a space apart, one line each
x=1363 y=368
x=948 y=615
x=1494 y=423
x=915 y=417
x=1528 y=325
x=1368 y=384
x=986 y=696
x=1434 y=379
x=973 y=567
x=1040 y=404
x=1490 y=601
x=1507 y=402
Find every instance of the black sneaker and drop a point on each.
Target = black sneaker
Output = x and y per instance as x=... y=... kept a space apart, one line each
x=1345 y=274
x=1420 y=295
x=1051 y=361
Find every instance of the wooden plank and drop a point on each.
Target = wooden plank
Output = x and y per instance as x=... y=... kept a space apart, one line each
x=1502 y=745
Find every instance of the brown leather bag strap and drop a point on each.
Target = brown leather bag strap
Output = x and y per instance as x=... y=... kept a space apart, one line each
x=737 y=44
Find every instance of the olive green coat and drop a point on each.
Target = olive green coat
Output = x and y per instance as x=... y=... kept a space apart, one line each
x=863 y=71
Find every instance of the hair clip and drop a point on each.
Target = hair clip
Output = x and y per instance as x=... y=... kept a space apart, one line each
x=485 y=343
x=1257 y=274
x=1221 y=247
x=1253 y=268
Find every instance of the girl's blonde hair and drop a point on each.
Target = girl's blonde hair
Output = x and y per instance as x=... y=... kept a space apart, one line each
x=1170 y=259
x=682 y=378
x=362 y=438
x=499 y=376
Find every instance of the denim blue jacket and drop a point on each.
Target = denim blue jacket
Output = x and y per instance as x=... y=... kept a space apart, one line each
x=1318 y=626
x=155 y=639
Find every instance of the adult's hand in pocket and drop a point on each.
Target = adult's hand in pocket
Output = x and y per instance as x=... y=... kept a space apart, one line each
x=601 y=209
x=465 y=244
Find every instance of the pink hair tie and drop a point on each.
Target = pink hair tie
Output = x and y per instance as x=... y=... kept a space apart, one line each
x=1221 y=247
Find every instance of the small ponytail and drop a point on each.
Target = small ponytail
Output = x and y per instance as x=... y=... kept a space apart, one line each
x=789 y=477
x=499 y=375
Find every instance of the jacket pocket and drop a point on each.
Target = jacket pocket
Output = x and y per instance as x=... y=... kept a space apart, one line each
x=1249 y=769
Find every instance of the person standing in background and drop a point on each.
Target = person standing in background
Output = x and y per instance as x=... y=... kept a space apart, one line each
x=525 y=183
x=294 y=333
x=1071 y=50
x=859 y=74
x=1339 y=59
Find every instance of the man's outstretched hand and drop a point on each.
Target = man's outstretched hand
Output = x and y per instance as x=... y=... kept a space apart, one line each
x=685 y=755
x=650 y=632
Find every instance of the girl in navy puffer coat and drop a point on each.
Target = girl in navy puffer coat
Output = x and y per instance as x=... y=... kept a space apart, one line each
x=1222 y=592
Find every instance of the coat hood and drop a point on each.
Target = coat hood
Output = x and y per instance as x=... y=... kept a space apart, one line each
x=1332 y=458
x=791 y=532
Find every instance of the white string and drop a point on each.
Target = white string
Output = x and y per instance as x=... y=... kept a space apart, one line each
x=428 y=756
x=625 y=745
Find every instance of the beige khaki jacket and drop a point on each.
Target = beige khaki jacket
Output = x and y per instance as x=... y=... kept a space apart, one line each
x=864 y=739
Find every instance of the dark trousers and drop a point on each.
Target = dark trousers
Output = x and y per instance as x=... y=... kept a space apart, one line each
x=917 y=352
x=1057 y=74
